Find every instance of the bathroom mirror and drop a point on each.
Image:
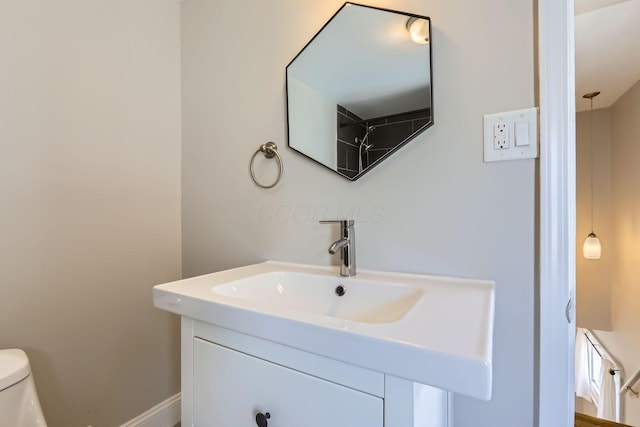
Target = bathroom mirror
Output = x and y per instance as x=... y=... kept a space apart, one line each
x=360 y=89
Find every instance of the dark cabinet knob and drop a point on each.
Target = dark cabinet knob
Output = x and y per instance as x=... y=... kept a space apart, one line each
x=261 y=419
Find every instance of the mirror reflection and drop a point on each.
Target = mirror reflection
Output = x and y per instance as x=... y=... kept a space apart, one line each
x=360 y=89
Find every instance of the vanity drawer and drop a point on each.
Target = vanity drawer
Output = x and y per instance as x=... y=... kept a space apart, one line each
x=230 y=388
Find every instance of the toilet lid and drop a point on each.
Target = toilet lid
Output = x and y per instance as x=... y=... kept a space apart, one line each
x=14 y=367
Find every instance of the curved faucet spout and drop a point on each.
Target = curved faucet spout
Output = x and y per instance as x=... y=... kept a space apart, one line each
x=337 y=245
x=346 y=246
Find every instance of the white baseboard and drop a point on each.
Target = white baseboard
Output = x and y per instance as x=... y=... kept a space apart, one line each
x=164 y=414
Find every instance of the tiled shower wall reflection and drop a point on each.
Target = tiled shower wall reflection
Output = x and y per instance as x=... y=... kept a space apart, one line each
x=361 y=143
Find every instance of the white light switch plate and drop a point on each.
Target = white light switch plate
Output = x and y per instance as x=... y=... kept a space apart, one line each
x=519 y=143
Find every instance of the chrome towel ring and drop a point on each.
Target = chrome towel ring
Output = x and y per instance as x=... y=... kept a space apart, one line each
x=270 y=150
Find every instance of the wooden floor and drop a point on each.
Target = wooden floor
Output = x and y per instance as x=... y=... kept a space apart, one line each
x=587 y=421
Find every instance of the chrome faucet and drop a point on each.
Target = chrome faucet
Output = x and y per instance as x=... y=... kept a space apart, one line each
x=346 y=245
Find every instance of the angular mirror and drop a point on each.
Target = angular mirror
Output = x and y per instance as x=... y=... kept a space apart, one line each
x=360 y=89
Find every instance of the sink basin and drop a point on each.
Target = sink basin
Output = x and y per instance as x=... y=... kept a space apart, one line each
x=432 y=330
x=357 y=300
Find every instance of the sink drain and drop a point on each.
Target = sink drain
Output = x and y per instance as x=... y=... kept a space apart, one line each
x=340 y=290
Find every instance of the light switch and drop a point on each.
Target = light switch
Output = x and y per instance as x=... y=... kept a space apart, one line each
x=522 y=134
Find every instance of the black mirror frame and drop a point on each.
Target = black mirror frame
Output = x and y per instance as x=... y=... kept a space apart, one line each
x=400 y=145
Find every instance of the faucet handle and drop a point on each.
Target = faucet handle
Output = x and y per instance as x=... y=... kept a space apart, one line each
x=343 y=222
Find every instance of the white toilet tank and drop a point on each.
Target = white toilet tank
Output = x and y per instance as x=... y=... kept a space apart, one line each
x=19 y=404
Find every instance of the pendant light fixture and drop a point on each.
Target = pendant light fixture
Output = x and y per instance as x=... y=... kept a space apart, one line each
x=591 y=249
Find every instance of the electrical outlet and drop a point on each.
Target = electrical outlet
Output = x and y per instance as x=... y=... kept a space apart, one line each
x=500 y=130
x=510 y=136
x=500 y=136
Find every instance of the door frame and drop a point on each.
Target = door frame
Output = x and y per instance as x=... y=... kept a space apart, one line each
x=557 y=249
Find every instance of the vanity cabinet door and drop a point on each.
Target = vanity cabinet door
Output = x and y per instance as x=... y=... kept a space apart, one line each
x=231 y=388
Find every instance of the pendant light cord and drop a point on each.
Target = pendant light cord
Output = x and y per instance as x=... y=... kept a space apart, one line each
x=591 y=156
x=591 y=248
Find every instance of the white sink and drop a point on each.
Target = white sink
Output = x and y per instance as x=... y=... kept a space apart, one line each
x=427 y=329
x=361 y=300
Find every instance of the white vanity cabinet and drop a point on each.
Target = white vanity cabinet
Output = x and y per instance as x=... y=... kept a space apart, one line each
x=229 y=377
x=231 y=388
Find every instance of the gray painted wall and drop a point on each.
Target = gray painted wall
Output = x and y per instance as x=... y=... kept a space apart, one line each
x=90 y=202
x=434 y=207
